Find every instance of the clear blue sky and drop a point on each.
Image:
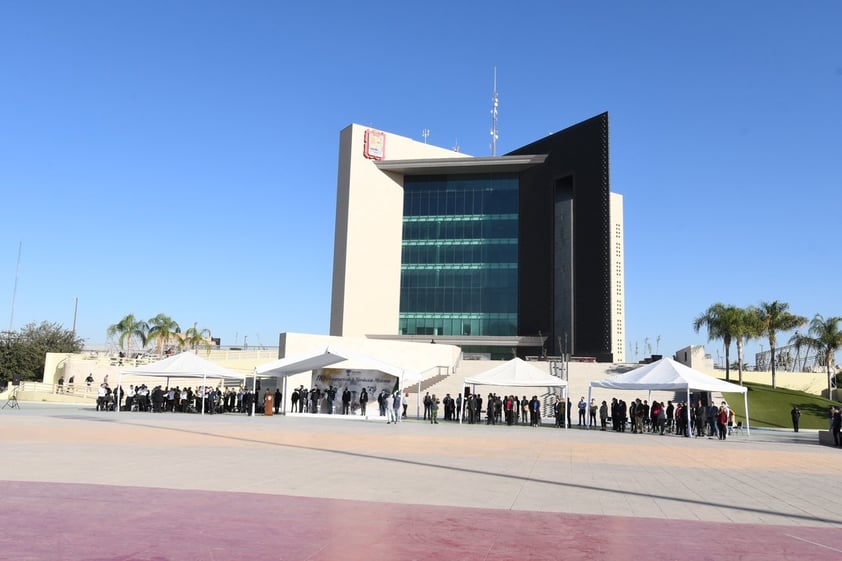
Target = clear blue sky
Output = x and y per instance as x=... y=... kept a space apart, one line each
x=180 y=157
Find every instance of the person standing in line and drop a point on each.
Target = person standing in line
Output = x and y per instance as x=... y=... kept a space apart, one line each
x=389 y=409
x=583 y=405
x=534 y=411
x=277 y=400
x=363 y=401
x=346 y=401
x=294 y=400
x=404 y=404
x=331 y=396
x=472 y=409
x=427 y=406
x=699 y=416
x=434 y=410
x=381 y=402
x=397 y=400
x=303 y=399
x=796 y=416
x=603 y=415
x=836 y=425
x=722 y=422
x=558 y=409
x=100 y=397
x=314 y=400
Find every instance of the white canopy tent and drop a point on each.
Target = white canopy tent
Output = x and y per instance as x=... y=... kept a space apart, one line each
x=322 y=357
x=184 y=365
x=668 y=375
x=517 y=373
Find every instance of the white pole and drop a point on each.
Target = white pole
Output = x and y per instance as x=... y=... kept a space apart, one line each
x=284 y=397
x=119 y=381
x=745 y=402
x=590 y=397
x=204 y=390
x=254 y=392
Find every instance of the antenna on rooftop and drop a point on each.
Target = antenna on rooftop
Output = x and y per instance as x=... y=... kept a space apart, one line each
x=456 y=146
x=494 y=103
x=425 y=133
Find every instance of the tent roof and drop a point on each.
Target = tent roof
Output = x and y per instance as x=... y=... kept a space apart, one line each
x=184 y=365
x=322 y=357
x=516 y=373
x=667 y=374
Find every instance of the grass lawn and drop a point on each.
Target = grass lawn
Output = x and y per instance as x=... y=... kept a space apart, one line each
x=771 y=408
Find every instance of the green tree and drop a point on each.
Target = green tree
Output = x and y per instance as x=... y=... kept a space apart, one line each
x=720 y=321
x=195 y=337
x=162 y=328
x=825 y=336
x=746 y=325
x=128 y=330
x=775 y=317
x=24 y=352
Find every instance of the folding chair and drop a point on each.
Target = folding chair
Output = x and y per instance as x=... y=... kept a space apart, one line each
x=738 y=428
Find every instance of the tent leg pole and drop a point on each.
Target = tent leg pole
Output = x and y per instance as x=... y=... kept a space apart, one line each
x=590 y=398
x=748 y=425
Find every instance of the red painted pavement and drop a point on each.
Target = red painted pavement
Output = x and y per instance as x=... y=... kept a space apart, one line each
x=68 y=522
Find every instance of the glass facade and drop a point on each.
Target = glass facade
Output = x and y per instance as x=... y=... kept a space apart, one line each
x=459 y=263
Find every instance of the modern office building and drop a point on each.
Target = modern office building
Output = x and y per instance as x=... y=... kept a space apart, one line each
x=515 y=254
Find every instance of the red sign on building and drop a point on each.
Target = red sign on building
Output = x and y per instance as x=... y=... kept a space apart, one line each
x=375 y=145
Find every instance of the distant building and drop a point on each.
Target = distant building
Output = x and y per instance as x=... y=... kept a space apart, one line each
x=695 y=356
x=517 y=254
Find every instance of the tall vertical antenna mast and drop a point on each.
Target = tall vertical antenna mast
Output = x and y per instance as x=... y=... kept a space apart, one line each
x=494 y=104
x=15 y=290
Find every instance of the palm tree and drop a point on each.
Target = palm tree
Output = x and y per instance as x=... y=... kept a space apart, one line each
x=825 y=336
x=746 y=325
x=129 y=329
x=162 y=328
x=720 y=321
x=194 y=337
x=774 y=317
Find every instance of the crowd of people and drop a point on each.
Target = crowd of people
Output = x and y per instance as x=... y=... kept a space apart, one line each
x=324 y=400
x=158 y=399
x=637 y=416
x=679 y=418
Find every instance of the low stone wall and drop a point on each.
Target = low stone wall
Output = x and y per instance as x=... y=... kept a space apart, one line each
x=826 y=438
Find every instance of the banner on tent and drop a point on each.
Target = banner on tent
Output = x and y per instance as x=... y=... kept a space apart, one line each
x=355 y=380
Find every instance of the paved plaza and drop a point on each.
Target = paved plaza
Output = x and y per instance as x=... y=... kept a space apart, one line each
x=77 y=484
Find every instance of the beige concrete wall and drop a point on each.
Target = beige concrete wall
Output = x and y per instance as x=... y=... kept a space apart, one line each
x=809 y=382
x=365 y=297
x=100 y=365
x=422 y=357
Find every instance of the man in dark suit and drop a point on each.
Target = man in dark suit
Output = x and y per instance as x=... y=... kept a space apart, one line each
x=346 y=402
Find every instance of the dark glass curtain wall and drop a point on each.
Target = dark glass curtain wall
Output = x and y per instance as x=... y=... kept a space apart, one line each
x=459 y=267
